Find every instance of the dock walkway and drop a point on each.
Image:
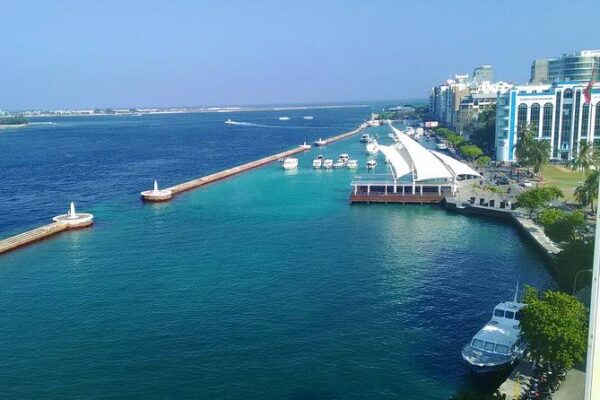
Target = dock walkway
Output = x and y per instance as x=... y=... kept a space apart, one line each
x=31 y=236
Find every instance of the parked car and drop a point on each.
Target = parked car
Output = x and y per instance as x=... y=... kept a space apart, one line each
x=526 y=183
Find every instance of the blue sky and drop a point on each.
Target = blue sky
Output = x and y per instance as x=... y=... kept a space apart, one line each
x=64 y=54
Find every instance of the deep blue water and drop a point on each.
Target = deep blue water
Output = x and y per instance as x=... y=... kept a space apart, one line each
x=266 y=285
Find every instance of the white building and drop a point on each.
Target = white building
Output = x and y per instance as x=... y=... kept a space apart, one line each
x=558 y=112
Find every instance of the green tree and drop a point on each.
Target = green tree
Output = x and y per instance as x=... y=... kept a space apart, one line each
x=484 y=134
x=575 y=256
x=565 y=228
x=535 y=198
x=444 y=132
x=531 y=152
x=587 y=192
x=554 y=325
x=470 y=151
x=483 y=161
x=550 y=215
x=584 y=159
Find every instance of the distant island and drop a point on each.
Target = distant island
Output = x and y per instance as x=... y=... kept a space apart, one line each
x=13 y=121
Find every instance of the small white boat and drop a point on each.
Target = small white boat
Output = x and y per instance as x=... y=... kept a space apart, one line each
x=289 y=163
x=308 y=117
x=317 y=163
x=441 y=146
x=327 y=164
x=352 y=164
x=344 y=157
x=284 y=118
x=371 y=164
x=229 y=121
x=320 y=142
x=339 y=164
x=498 y=345
x=365 y=138
x=372 y=147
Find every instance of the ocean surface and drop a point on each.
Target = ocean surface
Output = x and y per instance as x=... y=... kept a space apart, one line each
x=268 y=285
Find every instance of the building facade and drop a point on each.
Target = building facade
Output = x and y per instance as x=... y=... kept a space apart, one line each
x=485 y=73
x=539 y=72
x=557 y=112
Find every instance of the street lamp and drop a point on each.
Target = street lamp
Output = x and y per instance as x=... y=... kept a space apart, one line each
x=576 y=275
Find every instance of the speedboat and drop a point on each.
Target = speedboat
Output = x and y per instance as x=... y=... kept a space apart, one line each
x=441 y=146
x=339 y=164
x=372 y=147
x=229 y=121
x=352 y=164
x=320 y=142
x=344 y=157
x=327 y=164
x=289 y=163
x=371 y=164
x=365 y=138
x=309 y=117
x=284 y=118
x=498 y=345
x=318 y=162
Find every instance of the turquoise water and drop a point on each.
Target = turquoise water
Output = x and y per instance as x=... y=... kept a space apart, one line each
x=266 y=285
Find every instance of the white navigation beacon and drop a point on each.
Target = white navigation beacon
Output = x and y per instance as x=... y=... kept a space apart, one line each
x=156 y=194
x=73 y=219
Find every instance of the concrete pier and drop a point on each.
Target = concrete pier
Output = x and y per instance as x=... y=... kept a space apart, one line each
x=70 y=220
x=167 y=194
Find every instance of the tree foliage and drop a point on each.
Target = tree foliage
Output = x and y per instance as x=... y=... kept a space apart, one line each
x=575 y=256
x=470 y=151
x=550 y=215
x=484 y=135
x=565 y=228
x=535 y=198
x=530 y=151
x=587 y=193
x=483 y=161
x=554 y=325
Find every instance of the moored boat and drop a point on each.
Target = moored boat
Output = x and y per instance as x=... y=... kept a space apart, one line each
x=352 y=164
x=371 y=164
x=317 y=162
x=365 y=138
x=289 y=163
x=372 y=147
x=327 y=164
x=498 y=345
x=344 y=157
x=339 y=164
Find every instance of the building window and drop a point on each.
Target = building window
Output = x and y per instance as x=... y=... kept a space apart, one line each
x=535 y=117
x=568 y=94
x=557 y=121
x=576 y=121
x=567 y=118
x=585 y=119
x=522 y=117
x=547 y=124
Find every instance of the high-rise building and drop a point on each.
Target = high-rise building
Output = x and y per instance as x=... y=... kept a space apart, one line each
x=539 y=71
x=557 y=112
x=485 y=73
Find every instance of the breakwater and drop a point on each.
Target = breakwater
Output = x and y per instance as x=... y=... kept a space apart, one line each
x=166 y=194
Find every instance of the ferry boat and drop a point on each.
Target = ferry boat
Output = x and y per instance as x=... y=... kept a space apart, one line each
x=372 y=147
x=498 y=345
x=284 y=118
x=352 y=164
x=289 y=163
x=371 y=164
x=327 y=164
x=365 y=138
x=320 y=142
x=441 y=146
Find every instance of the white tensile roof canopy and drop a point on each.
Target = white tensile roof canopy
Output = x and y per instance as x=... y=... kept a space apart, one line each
x=408 y=156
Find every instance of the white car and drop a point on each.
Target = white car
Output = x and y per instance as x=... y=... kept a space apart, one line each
x=526 y=183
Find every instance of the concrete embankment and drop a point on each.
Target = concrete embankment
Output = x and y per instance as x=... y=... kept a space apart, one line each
x=168 y=193
x=31 y=236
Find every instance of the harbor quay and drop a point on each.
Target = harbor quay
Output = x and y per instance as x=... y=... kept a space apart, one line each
x=71 y=220
x=166 y=194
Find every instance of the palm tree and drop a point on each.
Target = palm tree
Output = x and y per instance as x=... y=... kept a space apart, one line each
x=539 y=154
x=531 y=151
x=587 y=192
x=584 y=159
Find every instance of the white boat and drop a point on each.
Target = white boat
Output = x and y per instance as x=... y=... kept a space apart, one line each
x=372 y=147
x=352 y=164
x=344 y=157
x=365 y=138
x=229 y=121
x=284 y=118
x=309 y=117
x=289 y=163
x=441 y=146
x=339 y=164
x=327 y=164
x=371 y=164
x=498 y=345
x=318 y=163
x=320 y=142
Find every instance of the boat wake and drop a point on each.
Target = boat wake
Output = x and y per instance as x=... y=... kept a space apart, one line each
x=42 y=123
